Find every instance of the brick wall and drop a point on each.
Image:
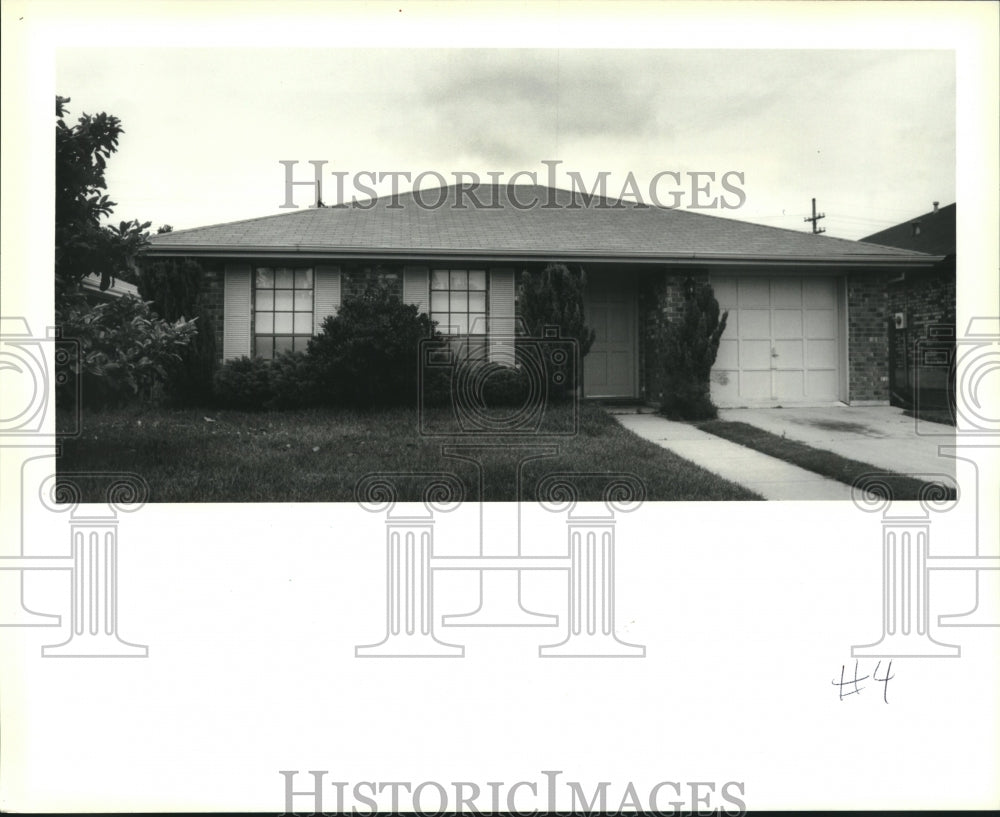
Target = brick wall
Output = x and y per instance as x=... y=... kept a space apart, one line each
x=927 y=299
x=868 y=337
x=211 y=300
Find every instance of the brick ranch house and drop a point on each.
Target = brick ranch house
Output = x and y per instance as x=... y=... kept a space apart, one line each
x=808 y=314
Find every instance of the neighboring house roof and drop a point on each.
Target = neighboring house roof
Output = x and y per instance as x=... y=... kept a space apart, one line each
x=118 y=288
x=933 y=233
x=605 y=230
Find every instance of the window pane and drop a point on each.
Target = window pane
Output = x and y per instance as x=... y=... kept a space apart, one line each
x=459 y=301
x=283 y=322
x=303 y=279
x=263 y=347
x=477 y=301
x=478 y=324
x=282 y=345
x=264 y=323
x=459 y=279
x=439 y=301
x=265 y=277
x=303 y=300
x=461 y=323
x=439 y=279
x=283 y=278
x=265 y=300
x=442 y=321
x=300 y=343
x=283 y=300
x=303 y=323
x=477 y=279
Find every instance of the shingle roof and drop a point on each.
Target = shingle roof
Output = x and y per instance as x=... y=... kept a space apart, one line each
x=572 y=228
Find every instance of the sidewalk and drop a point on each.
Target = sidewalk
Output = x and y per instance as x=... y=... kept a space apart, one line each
x=771 y=478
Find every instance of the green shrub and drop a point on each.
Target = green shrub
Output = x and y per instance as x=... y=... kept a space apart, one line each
x=243 y=384
x=292 y=381
x=367 y=354
x=125 y=349
x=686 y=349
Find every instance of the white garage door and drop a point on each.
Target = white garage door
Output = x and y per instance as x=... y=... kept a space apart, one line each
x=781 y=344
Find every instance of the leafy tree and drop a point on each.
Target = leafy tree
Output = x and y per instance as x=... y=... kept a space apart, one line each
x=554 y=297
x=83 y=244
x=125 y=347
x=687 y=349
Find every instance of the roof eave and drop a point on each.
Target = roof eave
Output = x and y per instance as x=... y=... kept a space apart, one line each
x=357 y=253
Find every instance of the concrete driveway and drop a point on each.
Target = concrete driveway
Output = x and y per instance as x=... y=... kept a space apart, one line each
x=880 y=435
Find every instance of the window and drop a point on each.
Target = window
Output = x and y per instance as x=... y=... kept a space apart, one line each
x=283 y=310
x=458 y=301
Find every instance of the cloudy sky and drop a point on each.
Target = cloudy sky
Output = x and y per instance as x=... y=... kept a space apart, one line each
x=870 y=134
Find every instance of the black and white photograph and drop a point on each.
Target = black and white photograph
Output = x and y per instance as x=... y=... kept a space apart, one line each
x=640 y=359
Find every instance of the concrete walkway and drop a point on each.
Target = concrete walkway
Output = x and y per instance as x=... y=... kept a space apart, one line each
x=880 y=435
x=767 y=476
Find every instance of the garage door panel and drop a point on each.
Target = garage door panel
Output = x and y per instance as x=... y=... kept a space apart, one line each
x=725 y=290
x=787 y=323
x=755 y=323
x=789 y=385
x=821 y=354
x=786 y=292
x=821 y=323
x=755 y=354
x=819 y=292
x=755 y=386
x=822 y=385
x=788 y=354
x=728 y=356
x=754 y=292
x=725 y=386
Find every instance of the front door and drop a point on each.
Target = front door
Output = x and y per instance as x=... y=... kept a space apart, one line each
x=609 y=370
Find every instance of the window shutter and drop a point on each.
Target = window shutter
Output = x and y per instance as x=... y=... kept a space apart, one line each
x=326 y=296
x=236 y=312
x=416 y=288
x=501 y=317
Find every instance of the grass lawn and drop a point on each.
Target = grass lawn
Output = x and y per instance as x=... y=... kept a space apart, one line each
x=812 y=459
x=318 y=455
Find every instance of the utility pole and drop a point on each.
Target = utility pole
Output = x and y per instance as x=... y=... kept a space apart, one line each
x=815 y=218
